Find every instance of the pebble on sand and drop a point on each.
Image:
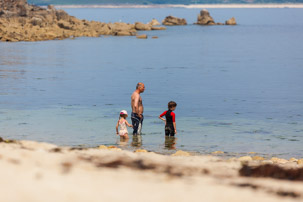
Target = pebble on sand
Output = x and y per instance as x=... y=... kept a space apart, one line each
x=218 y=152
x=258 y=158
x=293 y=160
x=245 y=158
x=102 y=147
x=278 y=160
x=112 y=147
x=141 y=150
x=267 y=162
x=181 y=153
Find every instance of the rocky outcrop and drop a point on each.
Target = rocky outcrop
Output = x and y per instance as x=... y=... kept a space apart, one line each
x=158 y=28
x=170 y=21
x=120 y=29
x=154 y=22
x=141 y=26
x=231 y=21
x=204 y=18
x=14 y=8
x=20 y=21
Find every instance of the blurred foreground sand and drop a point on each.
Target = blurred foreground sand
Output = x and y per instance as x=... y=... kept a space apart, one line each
x=32 y=171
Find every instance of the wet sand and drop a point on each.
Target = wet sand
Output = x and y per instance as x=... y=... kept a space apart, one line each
x=32 y=171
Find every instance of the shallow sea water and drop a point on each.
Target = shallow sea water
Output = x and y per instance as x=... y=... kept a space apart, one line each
x=239 y=88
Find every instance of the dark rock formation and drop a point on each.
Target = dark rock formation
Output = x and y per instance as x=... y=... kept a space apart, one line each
x=204 y=18
x=170 y=21
x=32 y=23
x=231 y=21
x=14 y=8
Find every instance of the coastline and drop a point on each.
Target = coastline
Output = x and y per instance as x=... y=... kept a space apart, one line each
x=191 y=6
x=35 y=171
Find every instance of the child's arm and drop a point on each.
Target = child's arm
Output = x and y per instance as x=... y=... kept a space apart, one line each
x=175 y=127
x=117 y=128
x=128 y=124
x=160 y=117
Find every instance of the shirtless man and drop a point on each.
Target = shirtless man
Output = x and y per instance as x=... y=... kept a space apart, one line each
x=137 y=109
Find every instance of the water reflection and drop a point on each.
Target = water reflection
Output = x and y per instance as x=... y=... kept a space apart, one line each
x=136 y=141
x=170 y=142
x=12 y=55
x=123 y=142
x=11 y=74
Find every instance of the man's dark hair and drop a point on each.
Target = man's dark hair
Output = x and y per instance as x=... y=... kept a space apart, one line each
x=172 y=104
x=138 y=85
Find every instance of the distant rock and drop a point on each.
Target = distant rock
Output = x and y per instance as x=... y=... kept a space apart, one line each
x=154 y=37
x=142 y=26
x=122 y=29
x=231 y=21
x=36 y=21
x=204 y=18
x=143 y=36
x=158 y=28
x=154 y=22
x=170 y=21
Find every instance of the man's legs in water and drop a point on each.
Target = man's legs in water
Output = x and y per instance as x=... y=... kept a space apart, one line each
x=135 y=122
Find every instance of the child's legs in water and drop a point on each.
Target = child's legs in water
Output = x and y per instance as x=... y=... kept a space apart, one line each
x=169 y=131
x=125 y=136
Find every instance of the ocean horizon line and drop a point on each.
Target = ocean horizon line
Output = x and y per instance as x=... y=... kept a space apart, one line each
x=284 y=5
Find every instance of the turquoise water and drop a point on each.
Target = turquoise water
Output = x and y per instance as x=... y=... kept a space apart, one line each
x=238 y=88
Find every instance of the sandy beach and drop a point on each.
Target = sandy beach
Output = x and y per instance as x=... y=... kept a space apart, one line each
x=289 y=5
x=32 y=171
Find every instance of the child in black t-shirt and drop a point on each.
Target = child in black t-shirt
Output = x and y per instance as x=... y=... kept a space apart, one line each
x=170 y=122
